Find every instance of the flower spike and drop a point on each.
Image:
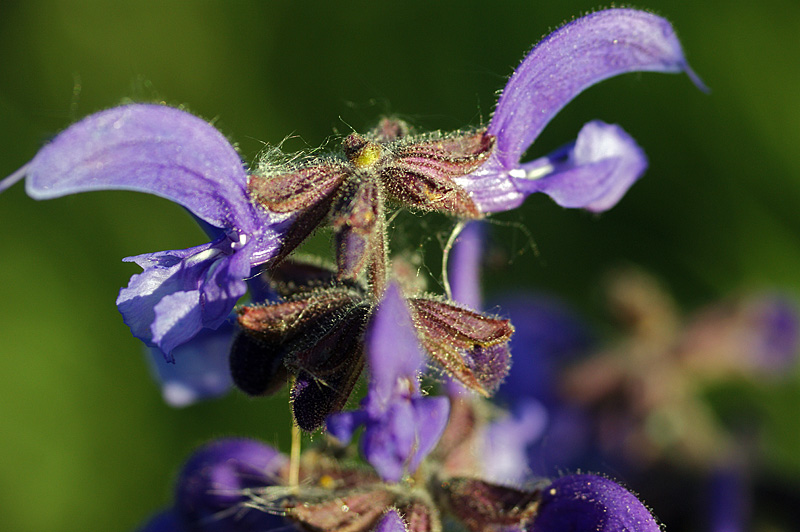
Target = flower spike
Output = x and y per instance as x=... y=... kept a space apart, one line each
x=170 y=153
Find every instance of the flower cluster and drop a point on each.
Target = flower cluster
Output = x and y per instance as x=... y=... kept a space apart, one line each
x=433 y=461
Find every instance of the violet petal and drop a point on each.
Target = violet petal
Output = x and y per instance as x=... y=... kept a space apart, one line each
x=401 y=426
x=179 y=292
x=170 y=153
x=506 y=442
x=464 y=266
x=147 y=148
x=342 y=425
x=388 y=441
x=593 y=173
x=776 y=329
x=430 y=419
x=571 y=59
x=393 y=349
x=730 y=499
x=200 y=370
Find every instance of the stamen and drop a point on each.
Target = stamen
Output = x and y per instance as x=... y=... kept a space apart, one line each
x=238 y=244
x=532 y=174
x=203 y=256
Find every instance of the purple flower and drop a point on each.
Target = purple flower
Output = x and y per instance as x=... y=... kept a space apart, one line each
x=597 y=169
x=402 y=426
x=211 y=489
x=589 y=502
x=211 y=493
x=168 y=152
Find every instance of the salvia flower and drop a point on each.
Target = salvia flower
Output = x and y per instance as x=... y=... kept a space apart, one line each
x=170 y=153
x=471 y=174
x=402 y=426
x=595 y=171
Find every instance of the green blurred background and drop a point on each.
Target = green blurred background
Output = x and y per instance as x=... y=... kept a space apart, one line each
x=86 y=442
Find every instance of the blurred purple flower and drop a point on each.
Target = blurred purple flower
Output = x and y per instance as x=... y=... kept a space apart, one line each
x=547 y=335
x=402 y=426
x=211 y=490
x=166 y=521
x=759 y=334
x=729 y=494
x=506 y=443
x=597 y=169
x=170 y=153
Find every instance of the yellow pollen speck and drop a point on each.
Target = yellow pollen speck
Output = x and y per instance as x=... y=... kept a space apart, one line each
x=552 y=491
x=327 y=482
x=367 y=156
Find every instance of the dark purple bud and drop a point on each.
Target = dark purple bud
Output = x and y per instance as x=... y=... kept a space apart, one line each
x=257 y=365
x=490 y=365
x=352 y=252
x=460 y=325
x=328 y=370
x=482 y=506
x=318 y=338
x=291 y=320
x=589 y=502
x=211 y=490
x=470 y=346
x=306 y=190
x=303 y=224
